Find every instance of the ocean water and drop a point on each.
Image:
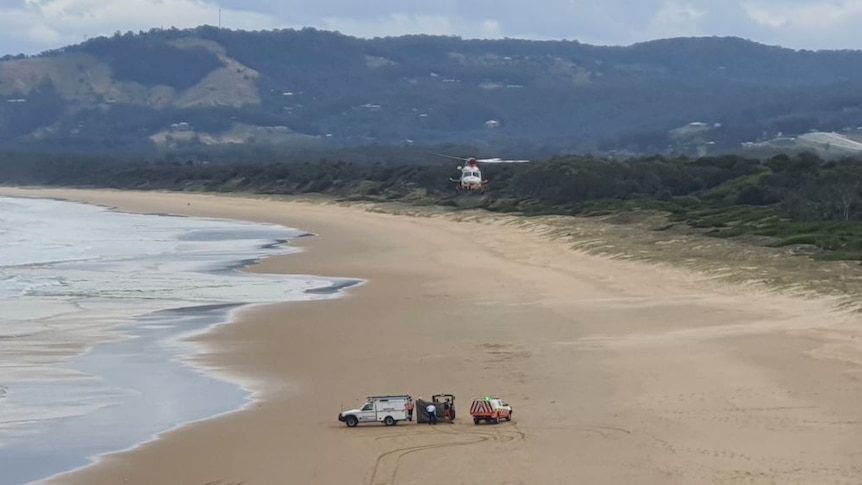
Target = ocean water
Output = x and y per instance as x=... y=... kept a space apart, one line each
x=94 y=305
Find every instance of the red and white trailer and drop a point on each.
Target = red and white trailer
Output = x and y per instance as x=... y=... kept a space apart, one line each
x=490 y=409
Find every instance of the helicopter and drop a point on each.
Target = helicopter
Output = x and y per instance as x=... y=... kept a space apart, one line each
x=471 y=178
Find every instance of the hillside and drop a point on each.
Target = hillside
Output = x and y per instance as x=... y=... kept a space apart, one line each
x=306 y=89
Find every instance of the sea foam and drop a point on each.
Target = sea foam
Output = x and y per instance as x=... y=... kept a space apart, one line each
x=92 y=303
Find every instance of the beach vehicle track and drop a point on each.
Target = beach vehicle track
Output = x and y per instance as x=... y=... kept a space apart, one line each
x=499 y=432
x=400 y=453
x=603 y=431
x=380 y=477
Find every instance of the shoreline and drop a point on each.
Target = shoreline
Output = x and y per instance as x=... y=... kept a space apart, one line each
x=174 y=326
x=242 y=394
x=745 y=385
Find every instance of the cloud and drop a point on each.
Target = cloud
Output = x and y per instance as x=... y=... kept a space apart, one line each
x=406 y=24
x=808 y=15
x=33 y=25
x=766 y=17
x=675 y=19
x=811 y=24
x=44 y=24
x=393 y=24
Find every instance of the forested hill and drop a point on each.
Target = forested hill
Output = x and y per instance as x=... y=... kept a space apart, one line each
x=307 y=88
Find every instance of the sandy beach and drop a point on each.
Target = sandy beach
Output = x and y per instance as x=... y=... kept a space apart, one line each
x=619 y=372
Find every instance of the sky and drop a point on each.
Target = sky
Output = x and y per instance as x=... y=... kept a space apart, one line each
x=33 y=26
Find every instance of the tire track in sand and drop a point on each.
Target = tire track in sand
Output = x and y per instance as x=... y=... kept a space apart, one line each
x=386 y=465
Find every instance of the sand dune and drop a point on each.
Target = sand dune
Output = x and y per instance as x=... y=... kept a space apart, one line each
x=618 y=371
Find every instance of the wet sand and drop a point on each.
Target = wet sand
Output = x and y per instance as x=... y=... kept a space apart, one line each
x=618 y=371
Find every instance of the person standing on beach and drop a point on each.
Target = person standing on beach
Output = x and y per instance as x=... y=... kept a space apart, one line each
x=432 y=413
x=409 y=407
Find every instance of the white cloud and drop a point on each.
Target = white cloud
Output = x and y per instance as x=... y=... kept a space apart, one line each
x=811 y=24
x=43 y=34
x=491 y=29
x=406 y=24
x=44 y=24
x=391 y=25
x=809 y=15
x=33 y=25
x=765 y=16
x=675 y=19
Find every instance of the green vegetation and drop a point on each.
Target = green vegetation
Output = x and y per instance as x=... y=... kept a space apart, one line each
x=800 y=200
x=149 y=61
x=548 y=97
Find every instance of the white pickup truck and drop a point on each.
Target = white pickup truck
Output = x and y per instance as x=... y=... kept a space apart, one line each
x=386 y=409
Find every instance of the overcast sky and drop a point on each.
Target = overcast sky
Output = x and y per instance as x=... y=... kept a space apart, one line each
x=31 y=26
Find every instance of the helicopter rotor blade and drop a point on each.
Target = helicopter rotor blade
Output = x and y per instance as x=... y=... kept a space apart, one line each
x=449 y=156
